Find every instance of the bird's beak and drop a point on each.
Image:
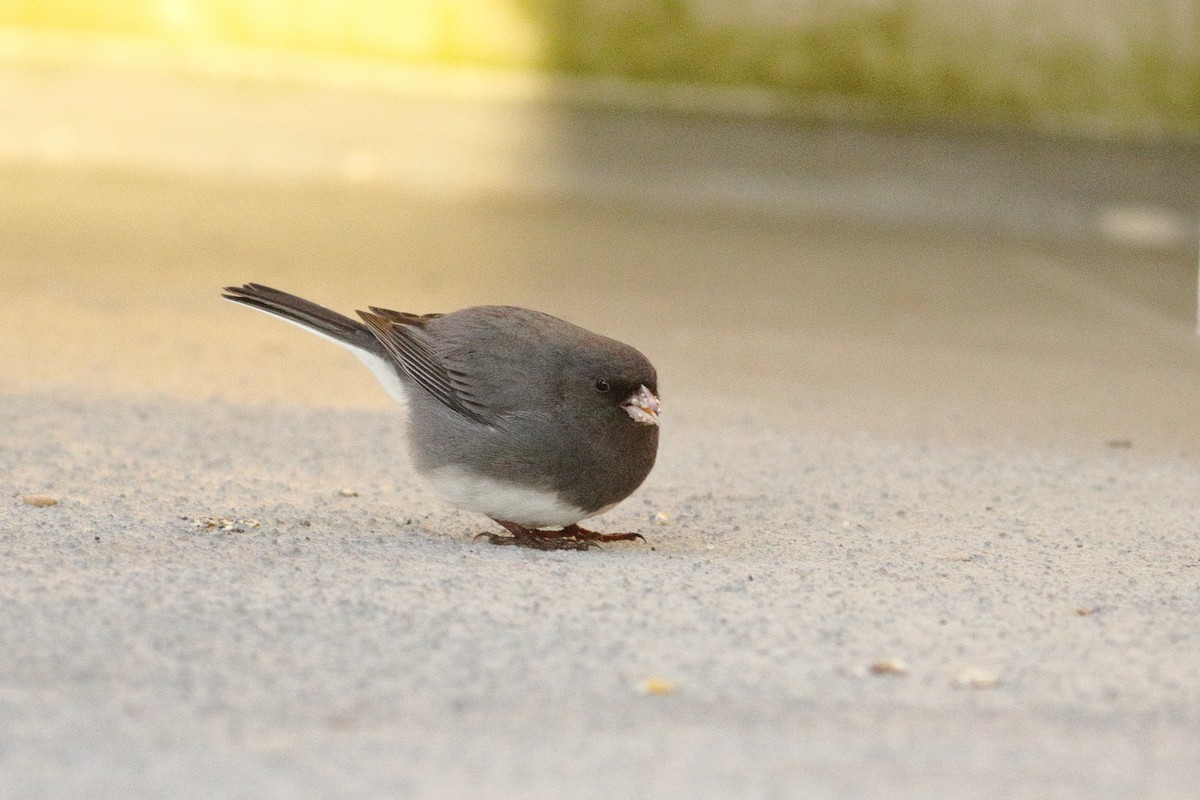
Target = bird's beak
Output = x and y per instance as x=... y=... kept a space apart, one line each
x=642 y=405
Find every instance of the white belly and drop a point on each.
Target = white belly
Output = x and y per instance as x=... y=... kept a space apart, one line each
x=533 y=508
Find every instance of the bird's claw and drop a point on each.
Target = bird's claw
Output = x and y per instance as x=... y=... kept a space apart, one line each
x=583 y=534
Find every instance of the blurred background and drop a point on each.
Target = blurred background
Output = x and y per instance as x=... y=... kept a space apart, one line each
x=1090 y=65
x=974 y=220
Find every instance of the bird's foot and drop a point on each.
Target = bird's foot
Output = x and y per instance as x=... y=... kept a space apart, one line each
x=534 y=538
x=584 y=535
x=572 y=537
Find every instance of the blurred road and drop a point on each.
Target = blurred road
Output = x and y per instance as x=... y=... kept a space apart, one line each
x=931 y=397
x=932 y=284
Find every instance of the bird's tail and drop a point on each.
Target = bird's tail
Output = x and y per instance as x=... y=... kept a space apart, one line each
x=343 y=331
x=307 y=314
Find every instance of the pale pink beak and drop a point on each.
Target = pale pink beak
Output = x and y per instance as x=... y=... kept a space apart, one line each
x=642 y=405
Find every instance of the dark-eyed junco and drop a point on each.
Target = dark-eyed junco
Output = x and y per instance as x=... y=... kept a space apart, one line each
x=513 y=413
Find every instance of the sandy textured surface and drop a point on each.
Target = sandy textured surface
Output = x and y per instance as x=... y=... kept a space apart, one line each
x=365 y=646
x=946 y=453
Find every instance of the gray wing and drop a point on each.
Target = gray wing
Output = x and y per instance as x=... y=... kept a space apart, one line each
x=403 y=338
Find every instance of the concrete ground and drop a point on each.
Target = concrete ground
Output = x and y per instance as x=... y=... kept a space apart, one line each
x=929 y=474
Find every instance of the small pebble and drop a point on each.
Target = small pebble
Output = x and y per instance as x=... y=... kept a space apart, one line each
x=662 y=518
x=655 y=686
x=39 y=500
x=226 y=524
x=975 y=678
x=889 y=666
x=347 y=493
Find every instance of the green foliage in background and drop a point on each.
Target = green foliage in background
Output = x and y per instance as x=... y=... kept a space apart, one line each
x=898 y=63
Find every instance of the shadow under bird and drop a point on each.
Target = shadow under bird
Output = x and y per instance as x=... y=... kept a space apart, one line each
x=515 y=414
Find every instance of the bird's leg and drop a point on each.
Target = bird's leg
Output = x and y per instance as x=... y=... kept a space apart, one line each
x=584 y=535
x=538 y=540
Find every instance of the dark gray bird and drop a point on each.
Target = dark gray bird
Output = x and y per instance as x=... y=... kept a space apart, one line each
x=513 y=413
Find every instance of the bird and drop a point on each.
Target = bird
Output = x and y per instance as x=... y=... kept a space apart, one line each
x=515 y=414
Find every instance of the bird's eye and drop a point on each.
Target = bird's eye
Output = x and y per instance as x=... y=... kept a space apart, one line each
x=602 y=385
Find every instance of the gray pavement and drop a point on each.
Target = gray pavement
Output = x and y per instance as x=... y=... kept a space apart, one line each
x=365 y=646
x=891 y=447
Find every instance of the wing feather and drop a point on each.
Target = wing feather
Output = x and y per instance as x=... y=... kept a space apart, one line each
x=402 y=337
